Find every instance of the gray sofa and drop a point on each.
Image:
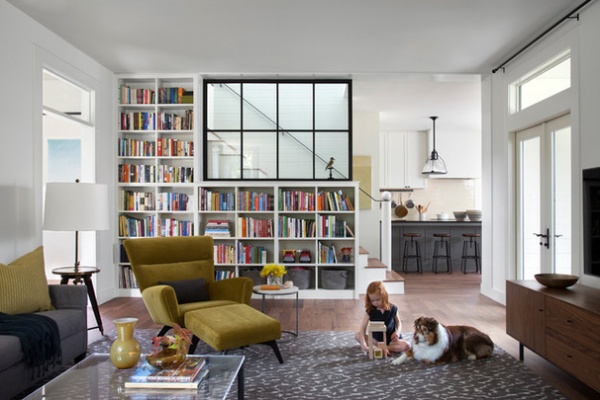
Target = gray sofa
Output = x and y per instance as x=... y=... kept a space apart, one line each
x=70 y=313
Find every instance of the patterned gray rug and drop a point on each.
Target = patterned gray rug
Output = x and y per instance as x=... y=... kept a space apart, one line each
x=329 y=365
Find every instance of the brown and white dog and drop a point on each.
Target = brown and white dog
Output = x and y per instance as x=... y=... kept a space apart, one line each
x=433 y=342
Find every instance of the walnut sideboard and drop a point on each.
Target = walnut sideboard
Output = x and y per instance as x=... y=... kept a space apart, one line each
x=560 y=325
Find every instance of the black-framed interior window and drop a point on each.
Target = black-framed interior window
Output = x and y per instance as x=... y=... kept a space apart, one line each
x=277 y=129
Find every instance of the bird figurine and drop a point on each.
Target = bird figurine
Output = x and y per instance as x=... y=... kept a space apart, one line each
x=330 y=163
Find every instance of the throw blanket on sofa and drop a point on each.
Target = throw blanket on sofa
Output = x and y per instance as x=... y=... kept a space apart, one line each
x=40 y=339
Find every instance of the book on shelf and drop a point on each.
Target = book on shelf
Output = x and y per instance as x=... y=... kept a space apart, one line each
x=186 y=376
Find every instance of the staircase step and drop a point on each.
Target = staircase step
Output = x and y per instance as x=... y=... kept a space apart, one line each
x=375 y=263
x=393 y=276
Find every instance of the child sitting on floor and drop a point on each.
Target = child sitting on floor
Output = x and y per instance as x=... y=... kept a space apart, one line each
x=379 y=308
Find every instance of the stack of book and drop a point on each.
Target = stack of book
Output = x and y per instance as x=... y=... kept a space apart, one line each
x=188 y=375
x=217 y=228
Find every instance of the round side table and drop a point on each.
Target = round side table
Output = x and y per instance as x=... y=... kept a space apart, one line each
x=281 y=292
x=84 y=273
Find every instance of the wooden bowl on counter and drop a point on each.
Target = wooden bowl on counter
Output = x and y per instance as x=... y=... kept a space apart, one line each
x=556 y=281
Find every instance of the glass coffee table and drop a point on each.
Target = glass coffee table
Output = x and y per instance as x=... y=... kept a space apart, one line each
x=97 y=378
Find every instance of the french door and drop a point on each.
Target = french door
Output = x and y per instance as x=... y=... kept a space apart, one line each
x=543 y=165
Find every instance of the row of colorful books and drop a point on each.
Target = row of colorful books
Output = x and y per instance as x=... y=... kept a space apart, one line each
x=149 y=121
x=254 y=201
x=152 y=225
x=130 y=200
x=334 y=201
x=166 y=95
x=296 y=200
x=136 y=173
x=213 y=200
x=296 y=227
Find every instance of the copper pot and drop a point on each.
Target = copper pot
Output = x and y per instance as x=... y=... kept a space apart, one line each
x=401 y=211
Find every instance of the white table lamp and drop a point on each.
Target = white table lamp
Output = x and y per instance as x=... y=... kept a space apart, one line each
x=76 y=207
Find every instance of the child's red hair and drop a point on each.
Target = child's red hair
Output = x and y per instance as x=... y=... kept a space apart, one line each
x=377 y=287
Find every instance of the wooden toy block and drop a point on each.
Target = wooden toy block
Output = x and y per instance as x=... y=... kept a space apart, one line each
x=380 y=350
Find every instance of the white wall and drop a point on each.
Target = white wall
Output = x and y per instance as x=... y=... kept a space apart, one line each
x=365 y=126
x=26 y=45
x=581 y=101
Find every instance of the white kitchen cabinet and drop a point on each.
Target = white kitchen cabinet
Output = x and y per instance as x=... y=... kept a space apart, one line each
x=404 y=154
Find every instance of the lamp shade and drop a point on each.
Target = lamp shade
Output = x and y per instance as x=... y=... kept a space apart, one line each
x=76 y=207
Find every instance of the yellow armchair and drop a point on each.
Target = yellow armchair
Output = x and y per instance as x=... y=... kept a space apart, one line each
x=176 y=259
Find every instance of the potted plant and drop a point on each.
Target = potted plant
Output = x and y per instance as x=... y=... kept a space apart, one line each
x=169 y=351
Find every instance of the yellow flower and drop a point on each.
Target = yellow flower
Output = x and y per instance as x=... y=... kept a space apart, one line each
x=273 y=269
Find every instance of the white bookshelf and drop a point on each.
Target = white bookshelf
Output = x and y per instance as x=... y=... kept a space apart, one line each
x=268 y=240
x=157 y=136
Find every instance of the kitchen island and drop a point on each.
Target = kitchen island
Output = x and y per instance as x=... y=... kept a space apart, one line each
x=427 y=229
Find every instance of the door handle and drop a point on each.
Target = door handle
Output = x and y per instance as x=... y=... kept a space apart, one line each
x=545 y=236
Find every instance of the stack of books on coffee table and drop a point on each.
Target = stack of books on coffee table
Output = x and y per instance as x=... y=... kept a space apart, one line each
x=188 y=375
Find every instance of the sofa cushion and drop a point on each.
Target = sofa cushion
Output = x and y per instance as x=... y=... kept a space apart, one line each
x=23 y=284
x=150 y=274
x=188 y=290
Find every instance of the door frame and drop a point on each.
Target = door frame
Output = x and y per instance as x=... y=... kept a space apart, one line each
x=545 y=131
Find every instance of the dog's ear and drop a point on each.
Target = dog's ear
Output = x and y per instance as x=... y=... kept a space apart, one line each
x=418 y=322
x=431 y=323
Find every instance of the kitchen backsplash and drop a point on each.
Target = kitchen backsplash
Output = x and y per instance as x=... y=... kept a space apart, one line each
x=445 y=195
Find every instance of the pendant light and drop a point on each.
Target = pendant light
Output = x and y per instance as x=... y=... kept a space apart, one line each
x=435 y=164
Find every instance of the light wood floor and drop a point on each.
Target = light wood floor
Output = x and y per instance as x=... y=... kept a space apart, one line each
x=451 y=299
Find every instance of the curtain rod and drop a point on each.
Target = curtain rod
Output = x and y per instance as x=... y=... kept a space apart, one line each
x=541 y=35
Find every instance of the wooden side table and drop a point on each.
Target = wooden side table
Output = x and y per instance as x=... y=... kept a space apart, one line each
x=84 y=273
x=281 y=292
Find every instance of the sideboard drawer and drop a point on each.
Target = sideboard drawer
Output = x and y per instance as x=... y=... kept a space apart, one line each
x=579 y=362
x=581 y=326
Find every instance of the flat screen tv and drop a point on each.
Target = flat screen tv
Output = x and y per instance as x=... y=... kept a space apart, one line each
x=591 y=221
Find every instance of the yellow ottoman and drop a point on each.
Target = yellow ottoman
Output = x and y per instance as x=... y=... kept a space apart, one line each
x=232 y=326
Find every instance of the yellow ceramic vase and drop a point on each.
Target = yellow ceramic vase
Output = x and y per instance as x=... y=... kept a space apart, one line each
x=125 y=350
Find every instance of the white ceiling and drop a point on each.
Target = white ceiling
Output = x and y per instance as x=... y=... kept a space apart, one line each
x=409 y=59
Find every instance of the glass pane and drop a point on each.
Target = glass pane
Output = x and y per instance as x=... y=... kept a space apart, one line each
x=336 y=145
x=331 y=106
x=260 y=106
x=562 y=200
x=224 y=155
x=223 y=106
x=295 y=106
x=531 y=200
x=546 y=84
x=260 y=155
x=296 y=155
x=66 y=97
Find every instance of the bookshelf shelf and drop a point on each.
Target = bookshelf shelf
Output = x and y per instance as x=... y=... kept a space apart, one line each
x=156 y=132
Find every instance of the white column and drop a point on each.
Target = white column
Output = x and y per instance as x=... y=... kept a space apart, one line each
x=386 y=229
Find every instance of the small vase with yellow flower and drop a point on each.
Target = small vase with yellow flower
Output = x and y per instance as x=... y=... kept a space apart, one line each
x=274 y=274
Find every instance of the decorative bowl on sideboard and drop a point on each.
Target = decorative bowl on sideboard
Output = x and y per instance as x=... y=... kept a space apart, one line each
x=556 y=281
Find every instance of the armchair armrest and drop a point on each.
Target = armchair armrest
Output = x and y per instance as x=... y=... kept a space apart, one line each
x=161 y=302
x=68 y=296
x=234 y=289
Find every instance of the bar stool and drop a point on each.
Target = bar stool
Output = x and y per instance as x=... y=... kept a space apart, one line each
x=468 y=254
x=441 y=250
x=415 y=254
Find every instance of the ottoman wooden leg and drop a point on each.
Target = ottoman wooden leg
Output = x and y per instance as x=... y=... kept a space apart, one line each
x=273 y=345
